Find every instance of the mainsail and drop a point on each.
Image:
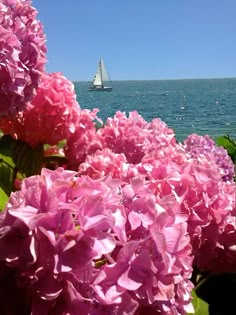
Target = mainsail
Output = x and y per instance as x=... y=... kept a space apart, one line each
x=97 y=81
x=104 y=74
x=100 y=78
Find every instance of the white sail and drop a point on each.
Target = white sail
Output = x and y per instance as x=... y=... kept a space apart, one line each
x=97 y=81
x=100 y=77
x=105 y=76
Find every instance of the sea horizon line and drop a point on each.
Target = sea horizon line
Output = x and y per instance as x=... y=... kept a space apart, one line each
x=180 y=79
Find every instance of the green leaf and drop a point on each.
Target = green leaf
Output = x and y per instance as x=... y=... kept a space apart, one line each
x=6 y=175
x=6 y=145
x=7 y=170
x=200 y=306
x=28 y=160
x=3 y=199
x=7 y=178
x=229 y=145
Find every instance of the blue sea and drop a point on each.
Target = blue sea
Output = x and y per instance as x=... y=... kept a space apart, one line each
x=202 y=106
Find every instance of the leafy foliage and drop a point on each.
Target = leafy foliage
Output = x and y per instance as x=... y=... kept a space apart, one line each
x=200 y=306
x=7 y=170
x=3 y=199
x=28 y=160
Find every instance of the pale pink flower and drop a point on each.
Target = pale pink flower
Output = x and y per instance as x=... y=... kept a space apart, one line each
x=22 y=57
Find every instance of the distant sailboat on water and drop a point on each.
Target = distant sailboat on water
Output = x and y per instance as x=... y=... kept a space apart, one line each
x=101 y=78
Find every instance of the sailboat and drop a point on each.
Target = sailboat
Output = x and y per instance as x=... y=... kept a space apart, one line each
x=101 y=78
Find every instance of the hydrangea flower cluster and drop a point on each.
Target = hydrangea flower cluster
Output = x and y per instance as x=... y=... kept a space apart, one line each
x=205 y=199
x=105 y=162
x=74 y=245
x=194 y=183
x=50 y=117
x=132 y=136
x=22 y=57
x=204 y=147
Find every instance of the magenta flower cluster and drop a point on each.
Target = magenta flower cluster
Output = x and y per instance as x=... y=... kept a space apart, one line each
x=74 y=245
x=22 y=57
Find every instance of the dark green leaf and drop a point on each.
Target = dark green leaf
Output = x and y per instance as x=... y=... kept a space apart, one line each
x=28 y=160
x=7 y=170
x=7 y=178
x=3 y=199
x=6 y=145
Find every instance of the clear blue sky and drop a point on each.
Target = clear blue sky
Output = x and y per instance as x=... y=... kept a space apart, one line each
x=140 y=39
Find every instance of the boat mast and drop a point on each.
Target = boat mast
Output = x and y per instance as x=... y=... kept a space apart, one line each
x=100 y=65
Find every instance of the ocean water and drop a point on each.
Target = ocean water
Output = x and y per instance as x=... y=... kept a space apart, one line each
x=202 y=106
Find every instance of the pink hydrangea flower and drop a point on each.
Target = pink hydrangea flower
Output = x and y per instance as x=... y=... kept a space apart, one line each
x=22 y=57
x=84 y=141
x=193 y=180
x=155 y=261
x=50 y=117
x=205 y=198
x=133 y=136
x=74 y=245
x=195 y=183
x=205 y=147
x=105 y=162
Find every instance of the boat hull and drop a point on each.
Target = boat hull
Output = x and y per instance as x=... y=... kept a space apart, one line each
x=104 y=88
